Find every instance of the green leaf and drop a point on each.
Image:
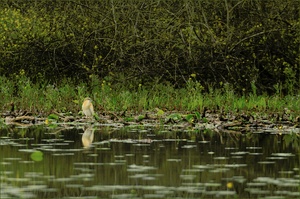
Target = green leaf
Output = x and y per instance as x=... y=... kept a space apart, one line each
x=53 y=116
x=129 y=119
x=159 y=112
x=140 y=117
x=190 y=118
x=198 y=115
x=175 y=116
x=96 y=117
x=37 y=156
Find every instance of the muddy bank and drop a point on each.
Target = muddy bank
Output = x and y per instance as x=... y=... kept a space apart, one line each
x=243 y=122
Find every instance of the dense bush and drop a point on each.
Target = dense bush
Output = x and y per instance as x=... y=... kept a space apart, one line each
x=242 y=42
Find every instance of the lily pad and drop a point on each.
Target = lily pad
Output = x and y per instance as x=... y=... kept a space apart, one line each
x=37 y=156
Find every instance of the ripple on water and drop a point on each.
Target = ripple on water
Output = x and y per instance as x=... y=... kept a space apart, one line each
x=256 y=154
x=88 y=163
x=256 y=184
x=174 y=160
x=221 y=158
x=192 y=170
x=15 y=192
x=74 y=186
x=104 y=149
x=239 y=153
x=283 y=154
x=207 y=166
x=108 y=188
x=266 y=162
x=188 y=177
x=34 y=187
x=136 y=176
x=12 y=159
x=143 y=163
x=190 y=188
x=124 y=196
x=18 y=179
x=139 y=168
x=60 y=180
x=276 y=158
x=63 y=154
x=154 y=195
x=5 y=163
x=204 y=142
x=146 y=176
x=221 y=193
x=219 y=170
x=235 y=165
x=26 y=162
x=188 y=146
x=257 y=191
x=238 y=179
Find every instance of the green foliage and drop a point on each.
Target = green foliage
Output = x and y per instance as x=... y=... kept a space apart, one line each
x=37 y=156
x=53 y=116
x=135 y=42
x=67 y=98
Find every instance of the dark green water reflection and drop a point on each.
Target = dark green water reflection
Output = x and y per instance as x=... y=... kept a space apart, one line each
x=145 y=163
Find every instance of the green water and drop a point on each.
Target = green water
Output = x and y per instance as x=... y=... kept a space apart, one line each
x=145 y=163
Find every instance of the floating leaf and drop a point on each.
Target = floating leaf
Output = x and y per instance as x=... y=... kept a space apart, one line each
x=37 y=156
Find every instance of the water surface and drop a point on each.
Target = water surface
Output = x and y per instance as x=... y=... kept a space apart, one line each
x=141 y=162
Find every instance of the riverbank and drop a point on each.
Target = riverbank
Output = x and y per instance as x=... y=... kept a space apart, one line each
x=160 y=104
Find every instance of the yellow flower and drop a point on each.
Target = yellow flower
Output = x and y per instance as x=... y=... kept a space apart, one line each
x=193 y=75
x=22 y=72
x=229 y=185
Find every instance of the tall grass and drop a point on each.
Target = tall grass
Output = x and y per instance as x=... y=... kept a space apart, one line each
x=67 y=97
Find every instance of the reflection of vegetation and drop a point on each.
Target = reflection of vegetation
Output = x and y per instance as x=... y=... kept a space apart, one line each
x=213 y=161
x=292 y=140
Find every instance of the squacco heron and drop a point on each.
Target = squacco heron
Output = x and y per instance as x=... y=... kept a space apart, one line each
x=87 y=107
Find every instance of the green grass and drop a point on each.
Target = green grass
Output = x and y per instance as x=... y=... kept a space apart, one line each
x=67 y=98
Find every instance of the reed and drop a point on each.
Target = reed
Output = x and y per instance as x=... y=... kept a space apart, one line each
x=67 y=98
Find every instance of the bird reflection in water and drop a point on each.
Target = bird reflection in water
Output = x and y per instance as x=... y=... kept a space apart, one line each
x=87 y=136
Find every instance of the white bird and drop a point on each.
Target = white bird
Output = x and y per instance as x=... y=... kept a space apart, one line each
x=87 y=107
